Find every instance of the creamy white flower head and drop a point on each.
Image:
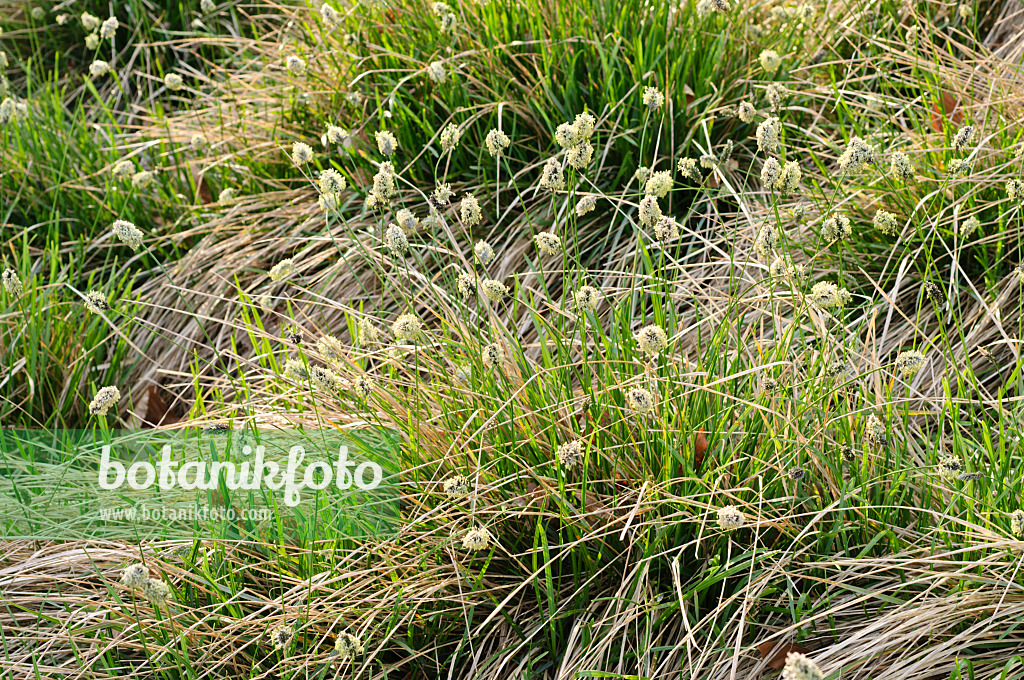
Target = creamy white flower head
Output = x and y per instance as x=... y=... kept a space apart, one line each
x=128 y=234
x=886 y=223
x=108 y=28
x=96 y=302
x=585 y=205
x=551 y=177
x=99 y=68
x=900 y=167
x=639 y=401
x=747 y=112
x=477 y=539
x=570 y=454
x=436 y=72
x=105 y=398
x=770 y=60
x=225 y=196
x=302 y=153
x=197 y=142
x=650 y=211
x=407 y=220
x=548 y=243
x=331 y=181
x=496 y=142
x=142 y=179
x=768 y=135
x=450 y=136
x=8 y=110
x=123 y=168
x=295 y=65
x=789 y=180
x=282 y=270
x=396 y=240
x=368 y=333
x=92 y=41
x=363 y=387
x=827 y=295
x=688 y=168
x=470 y=211
x=652 y=340
x=407 y=327
x=495 y=291
x=1017 y=523
x=835 y=227
x=586 y=299
x=330 y=348
x=484 y=252
x=730 y=518
x=579 y=156
x=1015 y=190
x=800 y=667
x=858 y=154
x=384 y=182
x=964 y=137
x=666 y=229
x=642 y=174
x=766 y=242
x=770 y=172
x=659 y=184
x=959 y=167
x=773 y=93
x=331 y=16
x=173 y=81
x=968 y=226
x=89 y=22
x=347 y=646
x=337 y=135
x=387 y=144
x=442 y=195
x=325 y=380
x=457 y=486
x=465 y=284
x=491 y=355
x=12 y=283
x=156 y=591
x=135 y=576
x=207 y=6
x=909 y=363
x=282 y=635
x=653 y=98
x=707 y=7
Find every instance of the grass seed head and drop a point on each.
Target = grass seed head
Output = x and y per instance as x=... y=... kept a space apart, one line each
x=407 y=327
x=909 y=363
x=800 y=667
x=128 y=234
x=767 y=135
x=135 y=576
x=477 y=539
x=12 y=282
x=730 y=518
x=105 y=398
x=659 y=184
x=653 y=98
x=496 y=142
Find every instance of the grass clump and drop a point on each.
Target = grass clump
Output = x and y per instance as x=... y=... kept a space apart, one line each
x=698 y=324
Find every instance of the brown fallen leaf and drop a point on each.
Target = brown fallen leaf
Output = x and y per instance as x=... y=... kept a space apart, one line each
x=948 y=108
x=700 y=449
x=776 y=651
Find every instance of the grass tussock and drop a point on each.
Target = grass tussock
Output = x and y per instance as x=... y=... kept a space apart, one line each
x=718 y=359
